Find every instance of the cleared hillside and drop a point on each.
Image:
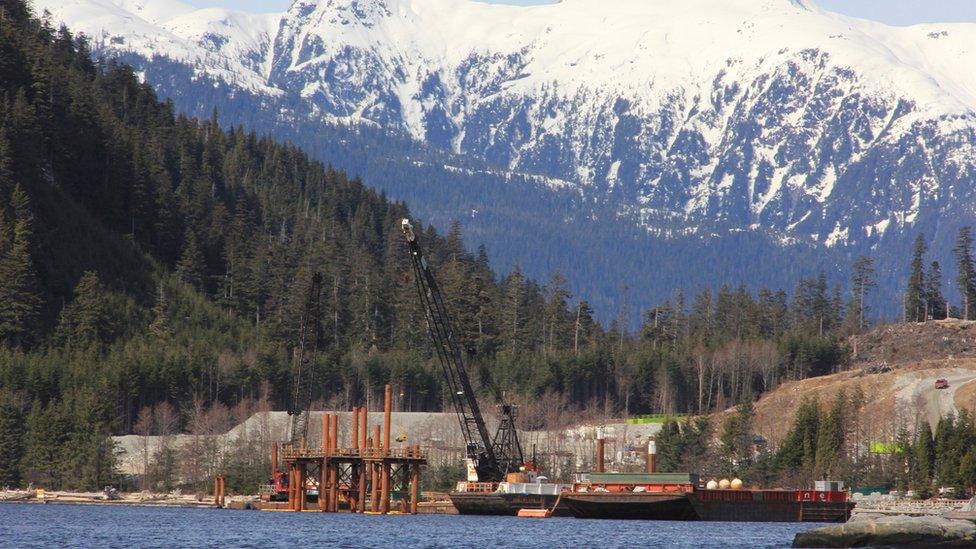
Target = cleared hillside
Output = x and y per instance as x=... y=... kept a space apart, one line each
x=895 y=368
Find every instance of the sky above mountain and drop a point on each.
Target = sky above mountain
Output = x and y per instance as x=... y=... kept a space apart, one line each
x=893 y=12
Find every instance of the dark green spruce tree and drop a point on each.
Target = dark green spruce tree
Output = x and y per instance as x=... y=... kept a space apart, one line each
x=12 y=434
x=966 y=277
x=19 y=300
x=937 y=306
x=915 y=298
x=863 y=279
x=87 y=320
x=924 y=460
x=191 y=268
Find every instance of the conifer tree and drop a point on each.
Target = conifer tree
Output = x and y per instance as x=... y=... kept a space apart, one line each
x=967 y=468
x=811 y=305
x=90 y=450
x=19 y=299
x=584 y=326
x=23 y=123
x=904 y=459
x=736 y=440
x=48 y=429
x=6 y=234
x=830 y=439
x=6 y=173
x=966 y=277
x=863 y=279
x=962 y=441
x=558 y=323
x=513 y=318
x=160 y=326
x=915 y=298
x=191 y=268
x=945 y=465
x=87 y=320
x=701 y=318
x=669 y=446
x=11 y=438
x=797 y=452
x=937 y=306
x=924 y=459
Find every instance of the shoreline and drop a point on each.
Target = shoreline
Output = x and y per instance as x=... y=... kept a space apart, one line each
x=139 y=499
x=144 y=499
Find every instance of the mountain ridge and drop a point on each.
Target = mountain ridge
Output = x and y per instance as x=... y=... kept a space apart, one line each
x=709 y=118
x=366 y=61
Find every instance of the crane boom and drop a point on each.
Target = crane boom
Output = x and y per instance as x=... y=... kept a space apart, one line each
x=309 y=337
x=488 y=460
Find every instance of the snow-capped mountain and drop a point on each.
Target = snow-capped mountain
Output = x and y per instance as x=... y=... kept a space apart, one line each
x=650 y=144
x=741 y=113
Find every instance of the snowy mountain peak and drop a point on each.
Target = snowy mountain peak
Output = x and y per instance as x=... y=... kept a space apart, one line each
x=154 y=11
x=750 y=114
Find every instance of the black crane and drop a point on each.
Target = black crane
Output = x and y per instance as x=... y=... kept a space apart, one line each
x=488 y=459
x=310 y=335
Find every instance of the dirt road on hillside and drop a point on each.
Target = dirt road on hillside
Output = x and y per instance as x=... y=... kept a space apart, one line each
x=922 y=395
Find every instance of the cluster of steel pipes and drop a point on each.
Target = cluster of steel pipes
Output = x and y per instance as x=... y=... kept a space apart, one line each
x=369 y=461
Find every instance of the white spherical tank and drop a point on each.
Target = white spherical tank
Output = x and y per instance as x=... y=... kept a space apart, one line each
x=724 y=484
x=736 y=484
x=712 y=484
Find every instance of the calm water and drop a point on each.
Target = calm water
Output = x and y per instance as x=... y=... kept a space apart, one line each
x=91 y=526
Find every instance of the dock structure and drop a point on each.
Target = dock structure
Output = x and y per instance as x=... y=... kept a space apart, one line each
x=346 y=474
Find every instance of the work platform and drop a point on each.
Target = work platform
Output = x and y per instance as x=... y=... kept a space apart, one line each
x=346 y=478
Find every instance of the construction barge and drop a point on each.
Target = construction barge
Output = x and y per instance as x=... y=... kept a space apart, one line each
x=519 y=491
x=680 y=496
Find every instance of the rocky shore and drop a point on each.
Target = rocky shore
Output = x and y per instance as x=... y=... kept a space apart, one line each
x=869 y=530
x=171 y=499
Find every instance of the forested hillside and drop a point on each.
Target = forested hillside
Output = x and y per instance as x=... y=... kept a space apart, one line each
x=154 y=263
x=597 y=249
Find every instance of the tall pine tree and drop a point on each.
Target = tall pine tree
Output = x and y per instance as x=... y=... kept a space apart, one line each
x=19 y=299
x=915 y=299
x=11 y=438
x=88 y=319
x=966 y=277
x=863 y=279
x=937 y=307
x=924 y=460
x=191 y=268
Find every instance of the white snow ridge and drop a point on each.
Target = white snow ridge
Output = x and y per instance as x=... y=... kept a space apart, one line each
x=769 y=113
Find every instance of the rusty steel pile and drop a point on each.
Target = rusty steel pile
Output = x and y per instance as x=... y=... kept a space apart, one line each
x=345 y=475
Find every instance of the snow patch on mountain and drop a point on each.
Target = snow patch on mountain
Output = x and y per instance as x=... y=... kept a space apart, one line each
x=224 y=44
x=738 y=113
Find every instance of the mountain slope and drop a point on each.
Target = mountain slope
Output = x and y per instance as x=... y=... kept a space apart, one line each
x=703 y=118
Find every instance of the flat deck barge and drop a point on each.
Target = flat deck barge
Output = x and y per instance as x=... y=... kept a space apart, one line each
x=673 y=496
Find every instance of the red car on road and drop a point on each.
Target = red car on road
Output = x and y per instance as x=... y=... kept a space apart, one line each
x=941 y=384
